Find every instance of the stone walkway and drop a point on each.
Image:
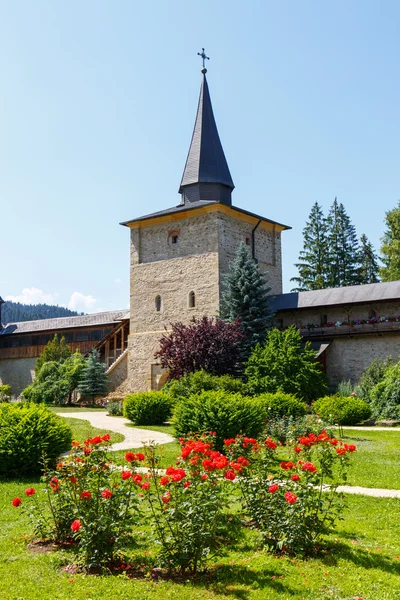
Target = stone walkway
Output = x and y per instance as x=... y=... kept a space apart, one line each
x=361 y=428
x=134 y=437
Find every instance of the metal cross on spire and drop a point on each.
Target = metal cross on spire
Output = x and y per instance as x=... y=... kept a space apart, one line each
x=204 y=57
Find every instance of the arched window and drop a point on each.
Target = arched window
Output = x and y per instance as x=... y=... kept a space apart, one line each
x=192 y=300
x=158 y=303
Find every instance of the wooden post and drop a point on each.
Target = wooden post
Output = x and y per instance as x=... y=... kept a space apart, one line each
x=115 y=347
x=107 y=353
x=122 y=337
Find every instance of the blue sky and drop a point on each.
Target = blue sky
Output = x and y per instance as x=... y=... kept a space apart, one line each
x=97 y=105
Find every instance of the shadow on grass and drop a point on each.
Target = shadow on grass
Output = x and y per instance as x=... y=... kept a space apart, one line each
x=361 y=558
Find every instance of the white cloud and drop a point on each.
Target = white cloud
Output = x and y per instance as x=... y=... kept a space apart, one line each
x=34 y=296
x=82 y=303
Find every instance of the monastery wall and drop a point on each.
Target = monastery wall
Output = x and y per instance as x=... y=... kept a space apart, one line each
x=17 y=372
x=348 y=357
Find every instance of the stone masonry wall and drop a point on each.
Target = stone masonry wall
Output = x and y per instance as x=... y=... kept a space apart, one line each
x=17 y=372
x=347 y=358
x=117 y=378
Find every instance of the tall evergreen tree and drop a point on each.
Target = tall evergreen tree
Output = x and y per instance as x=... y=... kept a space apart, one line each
x=368 y=262
x=93 y=381
x=312 y=265
x=390 y=249
x=343 y=248
x=245 y=297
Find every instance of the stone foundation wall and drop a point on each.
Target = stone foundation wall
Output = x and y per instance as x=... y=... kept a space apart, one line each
x=118 y=379
x=347 y=358
x=17 y=372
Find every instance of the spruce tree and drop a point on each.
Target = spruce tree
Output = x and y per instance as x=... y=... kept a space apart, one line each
x=390 y=249
x=343 y=248
x=245 y=297
x=312 y=265
x=368 y=262
x=93 y=381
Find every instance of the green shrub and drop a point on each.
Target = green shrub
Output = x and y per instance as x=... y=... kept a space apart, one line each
x=342 y=410
x=201 y=381
x=5 y=393
x=371 y=376
x=345 y=388
x=287 y=429
x=285 y=364
x=147 y=408
x=26 y=432
x=385 y=395
x=115 y=407
x=226 y=414
x=282 y=405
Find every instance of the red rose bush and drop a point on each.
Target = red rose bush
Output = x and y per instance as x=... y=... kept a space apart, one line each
x=292 y=502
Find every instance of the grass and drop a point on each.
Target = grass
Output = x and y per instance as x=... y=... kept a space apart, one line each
x=376 y=462
x=74 y=409
x=82 y=430
x=365 y=562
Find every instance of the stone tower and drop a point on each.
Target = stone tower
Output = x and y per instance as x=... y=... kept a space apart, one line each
x=179 y=255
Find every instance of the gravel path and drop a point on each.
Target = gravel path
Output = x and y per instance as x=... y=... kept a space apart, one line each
x=361 y=428
x=133 y=437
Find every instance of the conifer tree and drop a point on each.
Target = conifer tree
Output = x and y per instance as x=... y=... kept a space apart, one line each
x=390 y=249
x=93 y=381
x=368 y=262
x=245 y=297
x=56 y=350
x=312 y=265
x=343 y=248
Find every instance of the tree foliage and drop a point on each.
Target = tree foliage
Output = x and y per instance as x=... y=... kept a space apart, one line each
x=343 y=248
x=313 y=259
x=390 y=249
x=14 y=312
x=205 y=343
x=57 y=350
x=245 y=297
x=368 y=268
x=93 y=379
x=285 y=364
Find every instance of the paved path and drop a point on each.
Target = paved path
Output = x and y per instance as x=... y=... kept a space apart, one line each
x=133 y=437
x=361 y=428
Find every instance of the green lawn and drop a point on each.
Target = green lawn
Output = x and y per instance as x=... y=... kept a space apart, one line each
x=82 y=430
x=365 y=562
x=377 y=460
x=74 y=409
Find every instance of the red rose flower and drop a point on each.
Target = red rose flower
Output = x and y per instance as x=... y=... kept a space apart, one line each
x=166 y=497
x=297 y=449
x=351 y=447
x=106 y=494
x=295 y=478
x=204 y=477
x=129 y=456
x=30 y=491
x=341 y=451
x=126 y=475
x=287 y=465
x=186 y=484
x=137 y=478
x=96 y=440
x=76 y=525
x=164 y=480
x=243 y=461
x=106 y=437
x=229 y=442
x=146 y=485
x=16 y=502
x=85 y=496
x=273 y=488
x=73 y=479
x=230 y=474
x=270 y=443
x=290 y=497
x=307 y=466
x=140 y=456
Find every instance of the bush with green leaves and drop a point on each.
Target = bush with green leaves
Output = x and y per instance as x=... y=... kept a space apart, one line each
x=27 y=432
x=342 y=410
x=5 y=393
x=282 y=405
x=226 y=414
x=385 y=395
x=345 y=388
x=147 y=408
x=286 y=429
x=371 y=376
x=285 y=364
x=115 y=407
x=201 y=381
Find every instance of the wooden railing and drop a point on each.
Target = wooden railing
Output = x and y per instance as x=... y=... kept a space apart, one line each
x=35 y=351
x=114 y=344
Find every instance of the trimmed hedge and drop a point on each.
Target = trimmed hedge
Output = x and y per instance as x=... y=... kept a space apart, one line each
x=147 y=408
x=226 y=414
x=282 y=405
x=342 y=410
x=201 y=381
x=26 y=432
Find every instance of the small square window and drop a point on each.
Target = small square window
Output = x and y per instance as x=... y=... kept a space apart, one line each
x=174 y=239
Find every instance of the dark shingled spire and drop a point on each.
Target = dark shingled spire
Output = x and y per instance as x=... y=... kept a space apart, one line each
x=206 y=176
